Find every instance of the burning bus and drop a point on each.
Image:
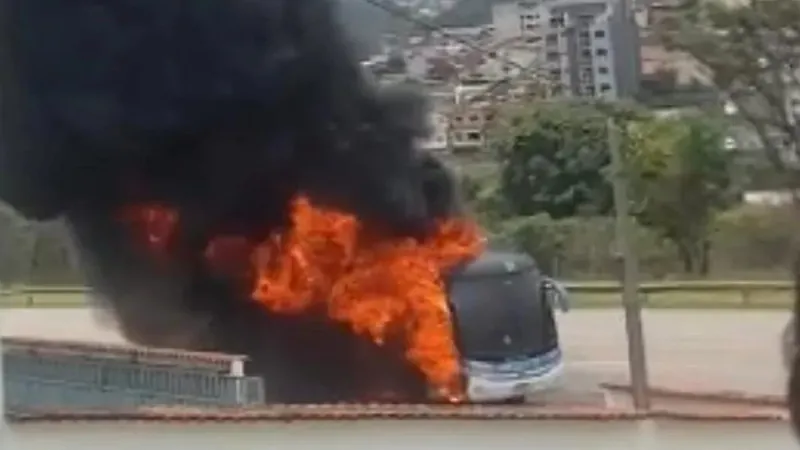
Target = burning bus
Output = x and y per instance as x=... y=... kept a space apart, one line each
x=234 y=183
x=502 y=309
x=488 y=331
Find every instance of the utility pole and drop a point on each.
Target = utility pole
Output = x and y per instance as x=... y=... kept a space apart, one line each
x=3 y=426
x=630 y=279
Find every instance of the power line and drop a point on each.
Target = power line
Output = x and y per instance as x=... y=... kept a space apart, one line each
x=410 y=17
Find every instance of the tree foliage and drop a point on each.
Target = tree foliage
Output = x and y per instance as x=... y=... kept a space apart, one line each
x=552 y=158
x=680 y=179
x=34 y=253
x=752 y=49
x=752 y=52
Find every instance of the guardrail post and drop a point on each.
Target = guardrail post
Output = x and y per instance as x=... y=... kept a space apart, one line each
x=746 y=296
x=237 y=374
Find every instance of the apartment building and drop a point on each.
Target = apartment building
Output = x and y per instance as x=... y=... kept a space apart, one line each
x=468 y=123
x=458 y=129
x=588 y=48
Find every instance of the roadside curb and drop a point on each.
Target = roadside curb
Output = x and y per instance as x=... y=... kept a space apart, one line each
x=705 y=395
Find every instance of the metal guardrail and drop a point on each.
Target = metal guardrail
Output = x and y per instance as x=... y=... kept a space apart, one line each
x=746 y=290
x=573 y=286
x=593 y=287
x=51 y=374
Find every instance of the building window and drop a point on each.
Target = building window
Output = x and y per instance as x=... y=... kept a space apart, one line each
x=599 y=33
x=530 y=26
x=557 y=20
x=552 y=56
x=474 y=118
x=605 y=87
x=602 y=52
x=584 y=34
x=603 y=70
x=586 y=53
x=473 y=136
x=551 y=39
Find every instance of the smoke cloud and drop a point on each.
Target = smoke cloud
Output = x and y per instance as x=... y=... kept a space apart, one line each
x=225 y=110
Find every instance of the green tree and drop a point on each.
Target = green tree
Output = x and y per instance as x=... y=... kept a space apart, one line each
x=552 y=158
x=752 y=52
x=539 y=236
x=680 y=179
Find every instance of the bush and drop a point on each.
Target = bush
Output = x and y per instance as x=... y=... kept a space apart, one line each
x=748 y=241
x=583 y=247
x=34 y=253
x=753 y=238
x=539 y=236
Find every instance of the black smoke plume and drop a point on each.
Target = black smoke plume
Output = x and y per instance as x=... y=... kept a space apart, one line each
x=225 y=110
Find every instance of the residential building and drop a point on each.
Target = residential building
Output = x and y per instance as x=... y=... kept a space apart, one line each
x=589 y=48
x=458 y=128
x=437 y=139
x=468 y=123
x=684 y=70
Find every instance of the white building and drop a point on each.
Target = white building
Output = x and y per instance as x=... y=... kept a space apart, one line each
x=437 y=140
x=589 y=48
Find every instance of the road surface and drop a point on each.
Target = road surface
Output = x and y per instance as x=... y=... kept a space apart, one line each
x=719 y=350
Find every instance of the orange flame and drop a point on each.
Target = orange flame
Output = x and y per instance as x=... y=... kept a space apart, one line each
x=375 y=285
x=153 y=224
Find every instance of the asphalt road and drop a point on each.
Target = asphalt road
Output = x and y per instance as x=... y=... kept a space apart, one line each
x=719 y=350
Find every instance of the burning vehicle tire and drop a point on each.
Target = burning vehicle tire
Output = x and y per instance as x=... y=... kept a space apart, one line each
x=502 y=309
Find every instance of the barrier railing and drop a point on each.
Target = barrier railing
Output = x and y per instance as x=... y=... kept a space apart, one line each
x=49 y=374
x=743 y=293
x=745 y=290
